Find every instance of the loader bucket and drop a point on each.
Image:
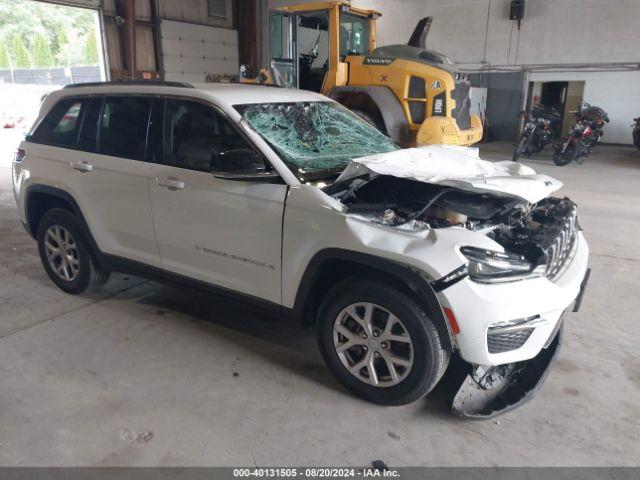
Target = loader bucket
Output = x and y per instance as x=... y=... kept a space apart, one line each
x=486 y=392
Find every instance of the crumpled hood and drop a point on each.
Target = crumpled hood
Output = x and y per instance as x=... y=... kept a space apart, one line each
x=459 y=167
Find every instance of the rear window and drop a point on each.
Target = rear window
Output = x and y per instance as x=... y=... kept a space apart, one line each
x=61 y=125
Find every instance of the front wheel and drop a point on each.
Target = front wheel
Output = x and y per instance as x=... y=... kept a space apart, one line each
x=570 y=153
x=520 y=148
x=379 y=342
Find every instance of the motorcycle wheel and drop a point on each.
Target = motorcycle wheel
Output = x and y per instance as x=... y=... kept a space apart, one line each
x=539 y=146
x=522 y=145
x=570 y=153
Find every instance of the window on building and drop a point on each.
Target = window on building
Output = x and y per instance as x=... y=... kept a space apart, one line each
x=218 y=8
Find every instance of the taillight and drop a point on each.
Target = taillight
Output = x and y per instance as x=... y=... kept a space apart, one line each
x=19 y=155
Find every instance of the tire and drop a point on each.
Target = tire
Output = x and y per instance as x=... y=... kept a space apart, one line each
x=80 y=272
x=367 y=117
x=418 y=336
x=522 y=144
x=561 y=158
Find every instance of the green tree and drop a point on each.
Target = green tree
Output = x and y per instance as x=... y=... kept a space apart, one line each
x=61 y=40
x=91 y=48
x=64 y=27
x=21 y=56
x=42 y=56
x=5 y=64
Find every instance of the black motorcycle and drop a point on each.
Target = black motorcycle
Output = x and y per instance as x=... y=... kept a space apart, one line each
x=584 y=135
x=536 y=134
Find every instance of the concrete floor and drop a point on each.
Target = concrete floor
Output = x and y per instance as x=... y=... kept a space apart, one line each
x=142 y=374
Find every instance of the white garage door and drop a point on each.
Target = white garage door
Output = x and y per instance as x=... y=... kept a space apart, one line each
x=195 y=53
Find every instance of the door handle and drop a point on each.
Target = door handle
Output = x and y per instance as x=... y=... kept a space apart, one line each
x=171 y=183
x=82 y=166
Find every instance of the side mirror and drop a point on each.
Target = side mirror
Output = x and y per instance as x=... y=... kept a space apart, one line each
x=242 y=165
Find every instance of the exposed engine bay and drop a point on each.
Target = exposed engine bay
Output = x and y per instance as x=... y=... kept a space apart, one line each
x=543 y=233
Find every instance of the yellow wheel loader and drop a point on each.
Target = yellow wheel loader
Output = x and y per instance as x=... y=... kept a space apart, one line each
x=412 y=94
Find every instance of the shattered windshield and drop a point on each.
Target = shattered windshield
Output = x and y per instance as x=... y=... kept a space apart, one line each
x=315 y=139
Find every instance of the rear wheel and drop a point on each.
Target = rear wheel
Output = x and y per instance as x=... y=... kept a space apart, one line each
x=65 y=253
x=379 y=342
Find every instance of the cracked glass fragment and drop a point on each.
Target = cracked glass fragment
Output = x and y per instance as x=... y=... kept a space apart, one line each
x=315 y=138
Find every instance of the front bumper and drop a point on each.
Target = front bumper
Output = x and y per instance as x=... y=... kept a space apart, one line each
x=478 y=307
x=485 y=392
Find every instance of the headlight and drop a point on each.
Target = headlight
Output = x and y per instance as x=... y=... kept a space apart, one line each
x=491 y=266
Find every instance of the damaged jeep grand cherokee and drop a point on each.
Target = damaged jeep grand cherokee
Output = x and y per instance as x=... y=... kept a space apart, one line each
x=410 y=262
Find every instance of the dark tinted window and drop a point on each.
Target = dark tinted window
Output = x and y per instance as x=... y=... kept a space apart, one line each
x=61 y=125
x=87 y=140
x=195 y=136
x=123 y=127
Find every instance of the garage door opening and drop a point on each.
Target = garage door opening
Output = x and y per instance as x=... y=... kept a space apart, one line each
x=44 y=46
x=557 y=102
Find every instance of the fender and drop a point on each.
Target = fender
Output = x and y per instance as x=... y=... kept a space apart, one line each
x=390 y=108
x=416 y=281
x=68 y=198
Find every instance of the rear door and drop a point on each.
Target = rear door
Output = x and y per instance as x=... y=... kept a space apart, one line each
x=223 y=232
x=104 y=168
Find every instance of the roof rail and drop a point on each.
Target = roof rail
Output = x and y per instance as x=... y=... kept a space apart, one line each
x=153 y=83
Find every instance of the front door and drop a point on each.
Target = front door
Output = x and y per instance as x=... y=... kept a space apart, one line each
x=223 y=232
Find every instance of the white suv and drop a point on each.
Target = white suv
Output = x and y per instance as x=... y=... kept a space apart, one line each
x=404 y=259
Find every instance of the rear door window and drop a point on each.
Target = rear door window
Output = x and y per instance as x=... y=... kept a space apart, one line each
x=62 y=124
x=122 y=127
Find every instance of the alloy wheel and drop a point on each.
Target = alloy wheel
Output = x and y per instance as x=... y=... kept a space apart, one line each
x=62 y=253
x=373 y=344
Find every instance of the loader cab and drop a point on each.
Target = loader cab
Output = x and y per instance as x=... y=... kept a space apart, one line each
x=308 y=43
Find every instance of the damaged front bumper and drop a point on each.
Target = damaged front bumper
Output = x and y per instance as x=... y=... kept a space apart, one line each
x=488 y=391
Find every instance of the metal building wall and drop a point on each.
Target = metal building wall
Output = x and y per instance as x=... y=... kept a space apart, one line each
x=504 y=100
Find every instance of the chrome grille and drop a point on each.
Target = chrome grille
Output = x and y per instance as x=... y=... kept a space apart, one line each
x=563 y=246
x=507 y=341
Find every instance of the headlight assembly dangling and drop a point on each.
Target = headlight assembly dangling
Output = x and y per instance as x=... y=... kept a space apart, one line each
x=490 y=266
